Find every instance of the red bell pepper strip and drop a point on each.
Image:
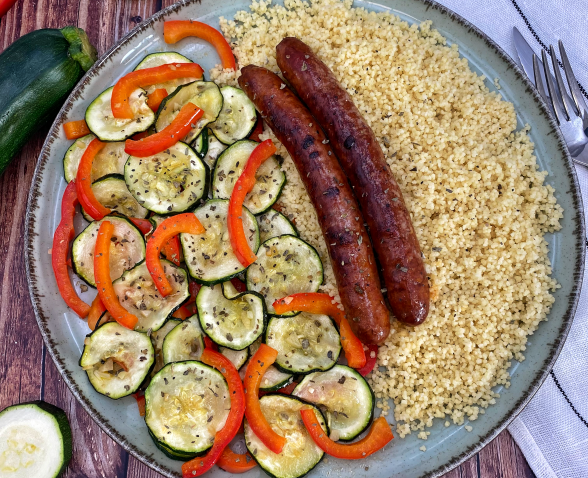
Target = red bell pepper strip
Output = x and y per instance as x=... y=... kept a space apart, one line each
x=259 y=363
x=84 y=182
x=141 y=135
x=186 y=223
x=140 y=397
x=176 y=30
x=232 y=462
x=254 y=136
x=76 y=129
x=372 y=359
x=182 y=313
x=317 y=303
x=239 y=285
x=143 y=225
x=168 y=136
x=5 y=6
x=171 y=250
x=103 y=281
x=96 y=310
x=155 y=98
x=223 y=437
x=242 y=187
x=377 y=438
x=287 y=390
x=149 y=76
x=209 y=344
x=59 y=253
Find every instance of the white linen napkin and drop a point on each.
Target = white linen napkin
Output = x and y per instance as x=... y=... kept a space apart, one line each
x=552 y=431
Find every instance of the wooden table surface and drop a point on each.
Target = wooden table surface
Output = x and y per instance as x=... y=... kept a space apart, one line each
x=26 y=369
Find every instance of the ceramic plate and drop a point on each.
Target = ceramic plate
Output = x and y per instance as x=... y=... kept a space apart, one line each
x=64 y=333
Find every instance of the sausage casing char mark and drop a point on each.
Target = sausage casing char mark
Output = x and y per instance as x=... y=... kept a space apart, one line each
x=341 y=222
x=363 y=160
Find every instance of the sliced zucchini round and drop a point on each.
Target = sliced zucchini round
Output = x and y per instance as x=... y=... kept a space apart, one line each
x=157 y=338
x=200 y=144
x=110 y=160
x=204 y=94
x=111 y=191
x=167 y=182
x=270 y=179
x=273 y=379
x=137 y=293
x=232 y=320
x=186 y=403
x=273 y=224
x=344 y=396
x=126 y=249
x=214 y=150
x=108 y=128
x=184 y=342
x=285 y=265
x=117 y=359
x=209 y=256
x=300 y=454
x=35 y=440
x=237 y=117
x=164 y=58
x=237 y=357
x=305 y=343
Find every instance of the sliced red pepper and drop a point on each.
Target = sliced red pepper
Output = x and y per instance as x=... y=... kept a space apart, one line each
x=155 y=98
x=254 y=136
x=96 y=310
x=168 y=136
x=59 y=253
x=140 y=397
x=287 y=390
x=259 y=363
x=239 y=285
x=176 y=30
x=223 y=437
x=76 y=129
x=377 y=438
x=242 y=187
x=232 y=462
x=143 y=225
x=171 y=250
x=209 y=344
x=194 y=288
x=84 y=182
x=186 y=223
x=102 y=276
x=317 y=303
x=372 y=359
x=149 y=76
x=141 y=135
x=182 y=313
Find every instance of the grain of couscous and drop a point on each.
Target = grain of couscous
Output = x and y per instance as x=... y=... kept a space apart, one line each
x=478 y=202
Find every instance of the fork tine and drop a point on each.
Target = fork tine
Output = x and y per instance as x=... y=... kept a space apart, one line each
x=572 y=82
x=555 y=102
x=567 y=105
x=538 y=80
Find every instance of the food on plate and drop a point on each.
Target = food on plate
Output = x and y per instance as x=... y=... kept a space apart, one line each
x=341 y=221
x=110 y=159
x=38 y=72
x=75 y=129
x=361 y=157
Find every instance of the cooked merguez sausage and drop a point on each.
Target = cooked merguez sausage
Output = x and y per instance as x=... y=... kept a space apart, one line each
x=362 y=158
x=341 y=222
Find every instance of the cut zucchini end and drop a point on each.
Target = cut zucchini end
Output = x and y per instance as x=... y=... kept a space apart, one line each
x=80 y=49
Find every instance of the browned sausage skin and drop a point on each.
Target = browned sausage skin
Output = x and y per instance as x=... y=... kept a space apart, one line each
x=341 y=222
x=363 y=160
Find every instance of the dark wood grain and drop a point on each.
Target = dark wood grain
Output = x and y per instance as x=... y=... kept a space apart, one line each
x=26 y=369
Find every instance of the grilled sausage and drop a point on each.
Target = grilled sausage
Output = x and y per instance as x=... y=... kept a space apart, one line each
x=341 y=222
x=363 y=161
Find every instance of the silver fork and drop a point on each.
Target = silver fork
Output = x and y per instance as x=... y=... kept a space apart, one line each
x=567 y=110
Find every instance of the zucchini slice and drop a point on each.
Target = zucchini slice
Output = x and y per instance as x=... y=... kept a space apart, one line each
x=108 y=128
x=270 y=179
x=285 y=265
x=117 y=359
x=163 y=58
x=167 y=182
x=305 y=343
x=35 y=440
x=209 y=256
x=237 y=117
x=184 y=342
x=200 y=144
x=204 y=94
x=274 y=224
x=157 y=338
x=137 y=293
x=186 y=403
x=110 y=160
x=344 y=396
x=300 y=454
x=213 y=151
x=111 y=191
x=273 y=379
x=126 y=250
x=237 y=357
x=231 y=319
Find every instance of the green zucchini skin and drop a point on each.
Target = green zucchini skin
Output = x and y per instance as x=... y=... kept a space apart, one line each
x=37 y=73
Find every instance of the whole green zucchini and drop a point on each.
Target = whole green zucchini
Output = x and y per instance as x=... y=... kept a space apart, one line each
x=37 y=73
